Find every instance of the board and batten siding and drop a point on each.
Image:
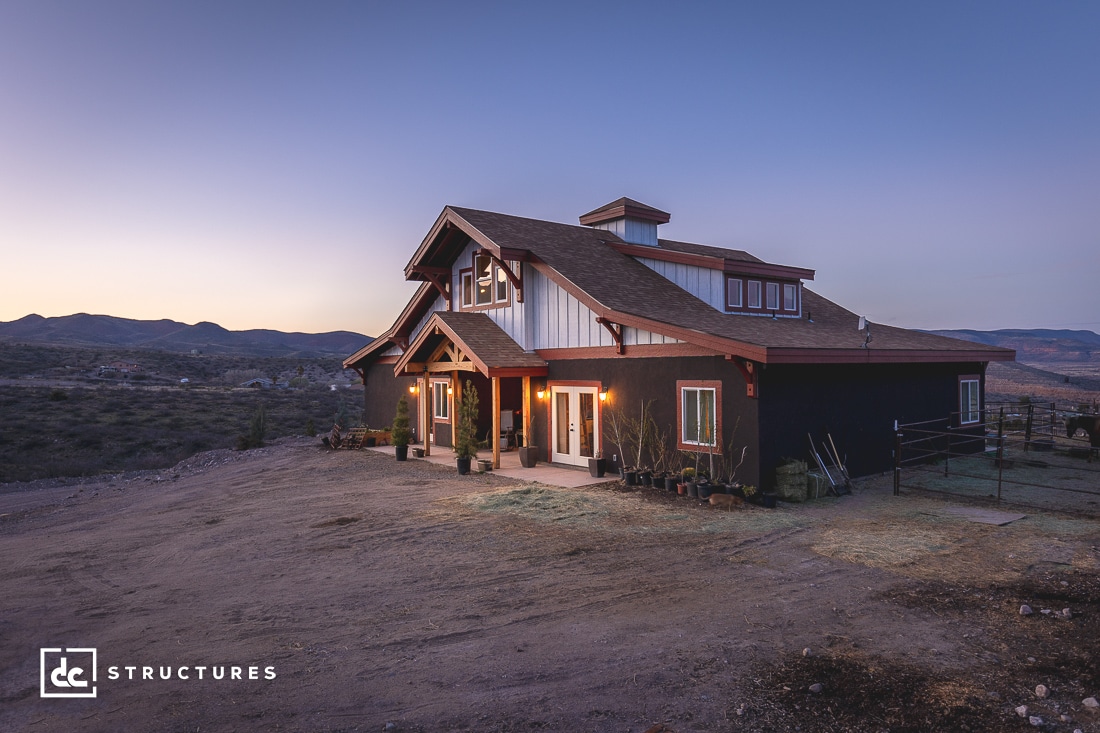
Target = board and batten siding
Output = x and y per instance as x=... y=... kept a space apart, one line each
x=705 y=284
x=557 y=320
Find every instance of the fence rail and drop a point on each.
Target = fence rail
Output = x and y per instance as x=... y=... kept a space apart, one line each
x=1014 y=453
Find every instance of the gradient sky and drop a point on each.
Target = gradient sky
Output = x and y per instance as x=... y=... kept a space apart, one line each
x=275 y=164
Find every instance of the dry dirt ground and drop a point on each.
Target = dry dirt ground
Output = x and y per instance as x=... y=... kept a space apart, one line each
x=403 y=597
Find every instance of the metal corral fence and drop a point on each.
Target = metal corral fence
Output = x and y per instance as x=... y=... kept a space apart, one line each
x=1015 y=454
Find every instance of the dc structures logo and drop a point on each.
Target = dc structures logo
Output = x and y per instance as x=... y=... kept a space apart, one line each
x=68 y=672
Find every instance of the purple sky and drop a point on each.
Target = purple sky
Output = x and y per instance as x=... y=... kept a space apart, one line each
x=274 y=165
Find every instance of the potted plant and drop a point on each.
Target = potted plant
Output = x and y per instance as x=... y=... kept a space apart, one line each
x=597 y=466
x=400 y=434
x=466 y=441
x=528 y=455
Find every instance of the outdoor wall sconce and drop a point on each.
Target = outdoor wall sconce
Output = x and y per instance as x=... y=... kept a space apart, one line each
x=603 y=395
x=540 y=393
x=413 y=389
x=450 y=391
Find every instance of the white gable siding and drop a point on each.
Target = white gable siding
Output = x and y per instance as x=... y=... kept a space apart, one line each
x=560 y=321
x=439 y=304
x=706 y=284
x=632 y=230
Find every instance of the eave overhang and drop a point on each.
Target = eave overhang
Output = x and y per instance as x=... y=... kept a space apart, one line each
x=725 y=264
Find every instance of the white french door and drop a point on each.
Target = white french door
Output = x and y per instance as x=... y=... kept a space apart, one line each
x=576 y=424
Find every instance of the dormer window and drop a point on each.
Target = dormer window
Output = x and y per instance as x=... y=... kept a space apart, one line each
x=762 y=297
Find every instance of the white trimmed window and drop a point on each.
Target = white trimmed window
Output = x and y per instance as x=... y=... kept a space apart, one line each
x=699 y=420
x=754 y=294
x=790 y=297
x=466 y=287
x=734 y=298
x=970 y=409
x=441 y=404
x=773 y=296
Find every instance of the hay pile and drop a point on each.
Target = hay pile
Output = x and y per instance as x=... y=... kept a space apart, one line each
x=543 y=504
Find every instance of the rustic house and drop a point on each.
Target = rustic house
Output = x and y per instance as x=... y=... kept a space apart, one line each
x=558 y=324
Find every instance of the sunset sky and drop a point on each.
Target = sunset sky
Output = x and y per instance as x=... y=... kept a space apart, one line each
x=275 y=164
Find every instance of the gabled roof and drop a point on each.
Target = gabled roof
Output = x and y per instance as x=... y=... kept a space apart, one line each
x=483 y=342
x=601 y=271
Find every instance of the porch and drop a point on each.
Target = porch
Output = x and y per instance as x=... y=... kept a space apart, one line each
x=544 y=473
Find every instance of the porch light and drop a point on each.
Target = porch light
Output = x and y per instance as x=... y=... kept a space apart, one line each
x=541 y=393
x=412 y=389
x=603 y=395
x=450 y=391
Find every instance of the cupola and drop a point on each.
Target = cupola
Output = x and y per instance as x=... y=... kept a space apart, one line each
x=630 y=220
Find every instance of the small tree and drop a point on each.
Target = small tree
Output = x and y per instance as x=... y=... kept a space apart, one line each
x=400 y=433
x=257 y=430
x=466 y=442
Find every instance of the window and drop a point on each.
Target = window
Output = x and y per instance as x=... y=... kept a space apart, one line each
x=467 y=288
x=698 y=418
x=754 y=293
x=441 y=404
x=733 y=292
x=969 y=400
x=790 y=297
x=483 y=272
x=485 y=285
x=773 y=296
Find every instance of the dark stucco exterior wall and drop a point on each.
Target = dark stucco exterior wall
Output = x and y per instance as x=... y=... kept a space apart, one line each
x=629 y=382
x=855 y=403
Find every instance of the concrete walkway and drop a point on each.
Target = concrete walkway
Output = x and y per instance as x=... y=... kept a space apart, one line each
x=545 y=473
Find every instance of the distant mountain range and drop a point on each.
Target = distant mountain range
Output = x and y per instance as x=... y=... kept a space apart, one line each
x=1038 y=345
x=165 y=335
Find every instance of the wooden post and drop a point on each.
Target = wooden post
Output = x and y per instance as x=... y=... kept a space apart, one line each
x=526 y=411
x=426 y=413
x=897 y=459
x=495 y=435
x=455 y=398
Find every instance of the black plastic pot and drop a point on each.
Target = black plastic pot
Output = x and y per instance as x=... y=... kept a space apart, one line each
x=704 y=490
x=463 y=466
x=402 y=452
x=631 y=478
x=670 y=483
x=528 y=456
x=597 y=467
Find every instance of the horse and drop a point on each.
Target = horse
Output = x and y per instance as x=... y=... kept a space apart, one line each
x=1089 y=423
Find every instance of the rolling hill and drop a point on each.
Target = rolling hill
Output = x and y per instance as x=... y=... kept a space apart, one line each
x=1039 y=346
x=82 y=329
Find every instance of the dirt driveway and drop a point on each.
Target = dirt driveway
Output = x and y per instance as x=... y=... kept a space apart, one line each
x=385 y=596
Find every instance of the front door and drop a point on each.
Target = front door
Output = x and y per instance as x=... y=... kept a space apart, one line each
x=575 y=424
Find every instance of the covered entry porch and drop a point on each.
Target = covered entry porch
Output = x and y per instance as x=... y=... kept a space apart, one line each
x=454 y=347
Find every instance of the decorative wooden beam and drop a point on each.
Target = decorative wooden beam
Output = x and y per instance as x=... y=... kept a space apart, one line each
x=748 y=371
x=437 y=367
x=516 y=280
x=616 y=331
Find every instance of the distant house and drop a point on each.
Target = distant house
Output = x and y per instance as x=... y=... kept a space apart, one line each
x=562 y=326
x=120 y=367
x=264 y=383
